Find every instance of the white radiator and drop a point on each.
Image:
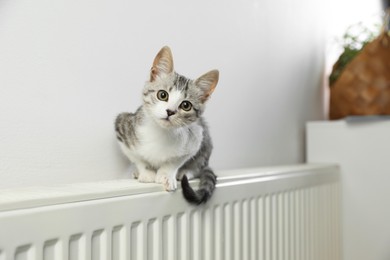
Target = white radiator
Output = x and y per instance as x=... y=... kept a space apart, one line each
x=274 y=213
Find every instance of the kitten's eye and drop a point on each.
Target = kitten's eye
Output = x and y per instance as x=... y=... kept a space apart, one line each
x=186 y=105
x=162 y=95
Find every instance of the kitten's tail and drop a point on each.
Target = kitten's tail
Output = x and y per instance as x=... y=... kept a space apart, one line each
x=206 y=187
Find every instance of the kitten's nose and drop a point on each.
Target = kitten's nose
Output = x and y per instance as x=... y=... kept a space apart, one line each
x=170 y=112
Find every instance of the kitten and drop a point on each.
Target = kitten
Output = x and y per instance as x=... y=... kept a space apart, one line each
x=167 y=138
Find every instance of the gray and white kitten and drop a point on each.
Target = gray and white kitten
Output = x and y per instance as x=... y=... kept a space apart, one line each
x=167 y=138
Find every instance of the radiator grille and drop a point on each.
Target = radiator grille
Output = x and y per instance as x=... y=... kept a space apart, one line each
x=288 y=216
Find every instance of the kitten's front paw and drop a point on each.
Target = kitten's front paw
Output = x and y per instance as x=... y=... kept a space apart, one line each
x=170 y=184
x=161 y=178
x=147 y=176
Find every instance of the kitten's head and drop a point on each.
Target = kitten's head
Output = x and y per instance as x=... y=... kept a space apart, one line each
x=173 y=100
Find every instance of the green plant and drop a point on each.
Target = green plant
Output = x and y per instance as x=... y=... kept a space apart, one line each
x=353 y=41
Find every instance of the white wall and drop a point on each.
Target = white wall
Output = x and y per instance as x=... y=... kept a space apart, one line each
x=68 y=67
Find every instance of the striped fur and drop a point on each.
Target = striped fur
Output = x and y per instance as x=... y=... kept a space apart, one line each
x=167 y=139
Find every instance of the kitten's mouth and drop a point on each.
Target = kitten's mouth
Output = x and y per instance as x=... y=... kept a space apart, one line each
x=166 y=122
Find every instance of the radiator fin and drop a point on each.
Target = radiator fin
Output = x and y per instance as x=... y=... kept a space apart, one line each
x=227 y=233
x=195 y=235
x=181 y=236
x=137 y=241
x=207 y=235
x=118 y=243
x=76 y=247
x=218 y=228
x=168 y=240
x=98 y=245
x=25 y=252
x=51 y=250
x=153 y=239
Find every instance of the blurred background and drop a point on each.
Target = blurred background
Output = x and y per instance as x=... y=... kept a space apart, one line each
x=67 y=68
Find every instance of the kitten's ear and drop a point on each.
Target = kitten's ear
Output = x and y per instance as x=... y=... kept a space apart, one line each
x=163 y=63
x=207 y=83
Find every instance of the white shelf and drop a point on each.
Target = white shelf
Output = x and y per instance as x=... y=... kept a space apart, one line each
x=360 y=145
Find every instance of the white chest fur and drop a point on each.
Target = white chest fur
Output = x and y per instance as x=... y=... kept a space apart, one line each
x=159 y=145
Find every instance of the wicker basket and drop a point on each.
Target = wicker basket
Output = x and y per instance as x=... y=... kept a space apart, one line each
x=363 y=88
